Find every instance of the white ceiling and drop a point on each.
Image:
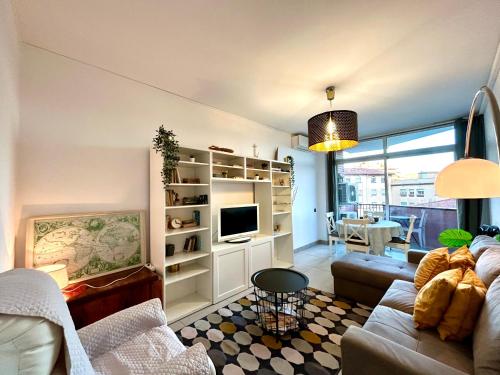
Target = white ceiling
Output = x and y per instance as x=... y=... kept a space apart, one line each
x=398 y=63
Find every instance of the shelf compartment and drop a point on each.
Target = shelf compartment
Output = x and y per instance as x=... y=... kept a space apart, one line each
x=182 y=257
x=258 y=170
x=227 y=166
x=175 y=232
x=281 y=212
x=185 y=306
x=237 y=180
x=281 y=172
x=184 y=273
x=186 y=206
x=281 y=234
x=277 y=263
x=180 y=184
x=191 y=164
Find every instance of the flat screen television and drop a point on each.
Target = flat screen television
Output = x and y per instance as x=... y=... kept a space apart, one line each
x=237 y=222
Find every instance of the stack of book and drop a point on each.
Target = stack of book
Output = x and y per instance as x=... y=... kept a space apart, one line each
x=192 y=243
x=171 y=197
x=175 y=177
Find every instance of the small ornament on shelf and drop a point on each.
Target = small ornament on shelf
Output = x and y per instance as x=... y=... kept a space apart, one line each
x=197 y=217
x=169 y=249
x=174 y=268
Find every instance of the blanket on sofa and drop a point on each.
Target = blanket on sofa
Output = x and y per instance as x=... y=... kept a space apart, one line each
x=28 y=292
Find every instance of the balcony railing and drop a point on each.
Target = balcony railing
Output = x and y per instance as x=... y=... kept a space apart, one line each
x=428 y=224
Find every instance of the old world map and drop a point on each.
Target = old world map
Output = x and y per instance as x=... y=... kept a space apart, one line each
x=88 y=245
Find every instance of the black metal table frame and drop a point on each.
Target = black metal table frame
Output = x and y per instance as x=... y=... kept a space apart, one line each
x=277 y=305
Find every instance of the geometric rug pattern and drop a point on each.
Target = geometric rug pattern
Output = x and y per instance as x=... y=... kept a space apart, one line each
x=237 y=345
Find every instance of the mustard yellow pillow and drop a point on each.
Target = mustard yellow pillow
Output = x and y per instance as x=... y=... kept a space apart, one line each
x=459 y=320
x=434 y=297
x=433 y=263
x=462 y=258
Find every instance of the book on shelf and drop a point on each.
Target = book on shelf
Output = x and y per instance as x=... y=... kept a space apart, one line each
x=192 y=243
x=175 y=177
x=171 y=197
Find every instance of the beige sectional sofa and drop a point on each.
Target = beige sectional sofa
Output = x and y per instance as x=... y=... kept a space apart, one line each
x=388 y=343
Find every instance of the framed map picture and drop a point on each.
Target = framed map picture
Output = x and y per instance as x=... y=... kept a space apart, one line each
x=90 y=245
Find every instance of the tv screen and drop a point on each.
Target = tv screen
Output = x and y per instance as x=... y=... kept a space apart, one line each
x=238 y=220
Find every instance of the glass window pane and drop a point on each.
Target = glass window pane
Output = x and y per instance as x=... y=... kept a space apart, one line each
x=411 y=192
x=359 y=187
x=364 y=148
x=422 y=139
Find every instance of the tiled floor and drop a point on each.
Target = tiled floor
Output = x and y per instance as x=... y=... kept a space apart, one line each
x=315 y=263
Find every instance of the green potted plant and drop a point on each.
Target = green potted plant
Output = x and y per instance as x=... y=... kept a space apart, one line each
x=454 y=237
x=289 y=159
x=165 y=143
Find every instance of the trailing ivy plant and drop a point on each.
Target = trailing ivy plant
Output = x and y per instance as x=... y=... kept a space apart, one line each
x=165 y=143
x=295 y=188
x=289 y=159
x=455 y=238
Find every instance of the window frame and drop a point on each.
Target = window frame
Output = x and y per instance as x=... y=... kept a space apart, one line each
x=386 y=155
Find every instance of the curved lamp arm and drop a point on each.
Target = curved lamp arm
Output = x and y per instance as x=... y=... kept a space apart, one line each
x=494 y=112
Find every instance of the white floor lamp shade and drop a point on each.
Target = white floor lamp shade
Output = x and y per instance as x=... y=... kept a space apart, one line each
x=468 y=179
x=472 y=178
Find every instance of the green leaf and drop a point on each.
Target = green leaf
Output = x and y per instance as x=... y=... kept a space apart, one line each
x=455 y=238
x=497 y=237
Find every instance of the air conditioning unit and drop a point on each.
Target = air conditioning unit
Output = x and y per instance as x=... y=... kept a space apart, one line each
x=300 y=142
x=346 y=193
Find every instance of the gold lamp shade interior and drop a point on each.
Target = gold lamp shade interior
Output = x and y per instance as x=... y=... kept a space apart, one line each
x=333 y=131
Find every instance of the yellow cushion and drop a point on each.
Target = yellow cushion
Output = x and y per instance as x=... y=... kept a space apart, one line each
x=462 y=258
x=459 y=320
x=433 y=263
x=433 y=299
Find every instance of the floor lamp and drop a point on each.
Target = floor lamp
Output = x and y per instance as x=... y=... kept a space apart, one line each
x=473 y=178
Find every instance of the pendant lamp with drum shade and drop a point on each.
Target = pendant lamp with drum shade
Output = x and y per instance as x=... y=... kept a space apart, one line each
x=473 y=178
x=332 y=130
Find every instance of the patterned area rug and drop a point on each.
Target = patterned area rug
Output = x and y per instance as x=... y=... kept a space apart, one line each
x=237 y=345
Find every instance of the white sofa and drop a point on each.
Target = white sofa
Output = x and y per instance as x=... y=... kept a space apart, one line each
x=37 y=335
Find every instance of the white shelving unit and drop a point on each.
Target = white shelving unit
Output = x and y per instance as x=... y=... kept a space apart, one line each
x=282 y=214
x=196 y=286
x=190 y=288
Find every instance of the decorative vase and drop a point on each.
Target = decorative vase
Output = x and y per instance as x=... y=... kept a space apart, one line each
x=169 y=249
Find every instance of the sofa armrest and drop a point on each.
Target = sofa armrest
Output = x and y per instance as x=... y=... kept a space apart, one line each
x=112 y=331
x=365 y=353
x=415 y=256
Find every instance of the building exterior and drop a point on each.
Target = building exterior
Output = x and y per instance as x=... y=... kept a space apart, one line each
x=417 y=190
x=369 y=183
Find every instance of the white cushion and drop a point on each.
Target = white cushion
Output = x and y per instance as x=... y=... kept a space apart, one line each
x=28 y=345
x=157 y=351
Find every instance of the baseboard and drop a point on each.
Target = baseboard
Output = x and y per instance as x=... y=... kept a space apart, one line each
x=309 y=245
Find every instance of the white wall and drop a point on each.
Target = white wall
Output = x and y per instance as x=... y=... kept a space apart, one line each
x=9 y=119
x=308 y=226
x=85 y=137
x=491 y=150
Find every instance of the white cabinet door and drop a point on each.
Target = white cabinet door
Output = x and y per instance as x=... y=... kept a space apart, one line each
x=260 y=257
x=230 y=272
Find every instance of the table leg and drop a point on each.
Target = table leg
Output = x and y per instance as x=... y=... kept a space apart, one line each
x=277 y=315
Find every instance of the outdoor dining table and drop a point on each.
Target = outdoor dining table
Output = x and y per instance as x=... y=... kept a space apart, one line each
x=378 y=233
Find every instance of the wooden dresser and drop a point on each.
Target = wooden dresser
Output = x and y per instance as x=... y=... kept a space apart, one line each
x=89 y=305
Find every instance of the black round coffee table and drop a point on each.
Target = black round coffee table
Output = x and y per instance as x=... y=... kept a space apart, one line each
x=280 y=299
